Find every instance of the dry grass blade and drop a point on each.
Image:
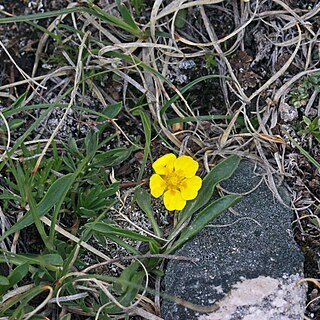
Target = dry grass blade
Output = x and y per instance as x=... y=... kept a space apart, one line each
x=262 y=136
x=286 y=86
x=144 y=314
x=135 y=45
x=144 y=256
x=42 y=304
x=17 y=291
x=85 y=245
x=2 y=156
x=72 y=98
x=314 y=281
x=297 y=17
x=63 y=71
x=91 y=20
x=282 y=69
x=179 y=5
x=43 y=40
x=213 y=36
x=24 y=75
x=226 y=133
x=222 y=40
x=72 y=297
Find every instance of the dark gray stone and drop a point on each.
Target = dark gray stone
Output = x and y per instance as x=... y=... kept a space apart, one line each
x=254 y=242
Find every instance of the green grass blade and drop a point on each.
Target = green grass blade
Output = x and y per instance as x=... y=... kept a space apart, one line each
x=304 y=152
x=47 y=261
x=186 y=88
x=53 y=196
x=84 y=162
x=4 y=282
x=15 y=276
x=143 y=199
x=112 y=157
x=197 y=118
x=22 y=301
x=123 y=244
x=43 y=15
x=36 y=220
x=129 y=296
x=222 y=171
x=146 y=123
x=106 y=228
x=117 y=22
x=126 y=15
x=203 y=218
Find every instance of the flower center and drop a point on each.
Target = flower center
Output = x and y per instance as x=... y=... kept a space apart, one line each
x=173 y=180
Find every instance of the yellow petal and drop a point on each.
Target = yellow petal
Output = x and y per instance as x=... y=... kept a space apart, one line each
x=164 y=165
x=185 y=166
x=157 y=185
x=173 y=200
x=189 y=187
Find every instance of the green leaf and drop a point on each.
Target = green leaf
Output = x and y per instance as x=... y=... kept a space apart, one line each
x=113 y=20
x=181 y=16
x=16 y=123
x=109 y=112
x=306 y=120
x=146 y=122
x=203 y=218
x=38 y=16
x=4 y=281
x=69 y=260
x=130 y=294
x=54 y=194
x=222 y=171
x=96 y=198
x=317 y=136
x=126 y=15
x=126 y=276
x=154 y=249
x=15 y=276
x=105 y=228
x=21 y=302
x=72 y=146
x=89 y=213
x=91 y=143
x=19 y=101
x=143 y=199
x=20 y=178
x=38 y=223
x=122 y=243
x=112 y=157
x=56 y=191
x=137 y=5
x=50 y=259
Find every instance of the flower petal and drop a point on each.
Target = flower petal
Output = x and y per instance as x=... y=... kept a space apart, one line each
x=189 y=187
x=185 y=166
x=173 y=200
x=164 y=165
x=157 y=185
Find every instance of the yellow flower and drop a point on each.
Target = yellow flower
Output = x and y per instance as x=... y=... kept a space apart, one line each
x=176 y=180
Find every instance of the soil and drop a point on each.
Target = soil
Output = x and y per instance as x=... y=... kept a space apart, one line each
x=254 y=59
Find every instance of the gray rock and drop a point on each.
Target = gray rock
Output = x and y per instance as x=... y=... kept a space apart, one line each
x=249 y=262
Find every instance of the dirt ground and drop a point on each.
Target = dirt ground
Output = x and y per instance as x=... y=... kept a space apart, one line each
x=255 y=56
